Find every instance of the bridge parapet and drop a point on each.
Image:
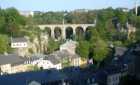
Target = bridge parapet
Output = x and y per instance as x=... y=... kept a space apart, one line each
x=66 y=25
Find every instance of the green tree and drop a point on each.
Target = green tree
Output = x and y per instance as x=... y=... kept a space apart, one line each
x=100 y=50
x=12 y=23
x=52 y=45
x=99 y=46
x=83 y=48
x=122 y=16
x=2 y=24
x=4 y=44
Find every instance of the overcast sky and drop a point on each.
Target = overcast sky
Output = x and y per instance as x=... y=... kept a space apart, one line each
x=61 y=5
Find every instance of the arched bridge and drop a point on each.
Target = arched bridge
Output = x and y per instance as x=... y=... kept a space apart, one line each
x=63 y=29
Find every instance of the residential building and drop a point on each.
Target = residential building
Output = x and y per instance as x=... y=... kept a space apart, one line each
x=132 y=59
x=11 y=63
x=123 y=9
x=68 y=76
x=113 y=79
x=20 y=45
x=75 y=60
x=45 y=77
x=43 y=61
x=19 y=42
x=47 y=63
x=111 y=75
x=120 y=51
x=67 y=58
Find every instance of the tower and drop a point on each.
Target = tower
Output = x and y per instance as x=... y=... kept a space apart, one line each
x=136 y=7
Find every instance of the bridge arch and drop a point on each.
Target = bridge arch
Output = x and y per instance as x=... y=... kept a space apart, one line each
x=47 y=31
x=69 y=33
x=79 y=32
x=57 y=33
x=88 y=33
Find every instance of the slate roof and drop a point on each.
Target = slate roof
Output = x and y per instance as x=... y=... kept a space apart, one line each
x=57 y=56
x=52 y=58
x=19 y=39
x=119 y=51
x=61 y=54
x=74 y=75
x=10 y=59
x=35 y=57
x=26 y=77
x=101 y=75
x=65 y=54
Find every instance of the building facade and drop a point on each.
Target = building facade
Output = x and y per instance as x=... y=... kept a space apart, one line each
x=20 y=45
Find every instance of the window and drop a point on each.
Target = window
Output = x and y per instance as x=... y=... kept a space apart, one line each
x=109 y=79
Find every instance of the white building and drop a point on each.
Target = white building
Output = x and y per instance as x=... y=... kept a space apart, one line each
x=19 y=43
x=20 y=46
x=47 y=64
x=11 y=63
x=123 y=9
x=27 y=13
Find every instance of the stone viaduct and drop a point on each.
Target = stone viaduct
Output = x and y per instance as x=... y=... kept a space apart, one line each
x=64 y=27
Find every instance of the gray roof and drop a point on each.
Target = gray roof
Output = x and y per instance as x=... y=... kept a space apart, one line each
x=61 y=54
x=53 y=59
x=44 y=76
x=35 y=57
x=10 y=59
x=65 y=54
x=57 y=56
x=119 y=51
x=19 y=39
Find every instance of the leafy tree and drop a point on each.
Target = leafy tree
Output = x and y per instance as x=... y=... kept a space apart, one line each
x=100 y=50
x=100 y=46
x=2 y=24
x=83 y=48
x=122 y=16
x=11 y=22
x=4 y=44
x=52 y=45
x=49 y=18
